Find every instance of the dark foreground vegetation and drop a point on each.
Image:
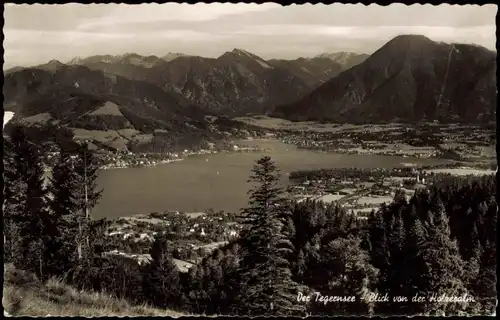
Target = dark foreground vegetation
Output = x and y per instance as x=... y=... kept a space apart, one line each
x=25 y=294
x=434 y=254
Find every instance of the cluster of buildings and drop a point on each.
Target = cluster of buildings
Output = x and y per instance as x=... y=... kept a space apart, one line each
x=127 y=159
x=195 y=232
x=330 y=142
x=359 y=196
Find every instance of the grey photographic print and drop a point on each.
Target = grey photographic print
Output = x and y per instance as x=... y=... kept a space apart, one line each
x=219 y=159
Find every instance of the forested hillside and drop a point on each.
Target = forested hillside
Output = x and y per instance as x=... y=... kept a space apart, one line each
x=432 y=255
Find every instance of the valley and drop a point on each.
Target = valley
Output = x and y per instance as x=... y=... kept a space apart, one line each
x=359 y=167
x=174 y=156
x=469 y=143
x=216 y=181
x=177 y=159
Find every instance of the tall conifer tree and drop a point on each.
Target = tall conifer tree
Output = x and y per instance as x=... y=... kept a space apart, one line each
x=161 y=282
x=347 y=272
x=37 y=228
x=14 y=203
x=65 y=209
x=267 y=285
x=87 y=196
x=445 y=266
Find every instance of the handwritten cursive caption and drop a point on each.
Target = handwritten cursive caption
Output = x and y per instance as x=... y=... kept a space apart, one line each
x=375 y=297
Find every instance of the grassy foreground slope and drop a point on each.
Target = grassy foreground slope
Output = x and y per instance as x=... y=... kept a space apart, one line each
x=25 y=295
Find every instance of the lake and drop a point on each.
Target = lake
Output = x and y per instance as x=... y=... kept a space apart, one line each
x=217 y=181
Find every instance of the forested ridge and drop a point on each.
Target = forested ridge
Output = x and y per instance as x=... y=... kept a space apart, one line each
x=410 y=257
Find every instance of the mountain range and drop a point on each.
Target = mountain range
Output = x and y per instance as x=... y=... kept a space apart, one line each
x=411 y=78
x=236 y=83
x=128 y=101
x=112 y=111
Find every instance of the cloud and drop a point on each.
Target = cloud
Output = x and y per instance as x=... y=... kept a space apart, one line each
x=484 y=34
x=362 y=32
x=19 y=38
x=35 y=34
x=148 y=13
x=50 y=38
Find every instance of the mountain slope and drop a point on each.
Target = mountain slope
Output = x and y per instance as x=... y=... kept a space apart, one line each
x=236 y=83
x=13 y=69
x=410 y=78
x=172 y=55
x=130 y=65
x=346 y=59
x=313 y=72
x=123 y=110
x=24 y=295
x=128 y=58
x=50 y=66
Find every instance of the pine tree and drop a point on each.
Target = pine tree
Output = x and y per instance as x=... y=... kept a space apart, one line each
x=196 y=293
x=347 y=273
x=472 y=257
x=37 y=229
x=289 y=233
x=380 y=254
x=64 y=207
x=268 y=288
x=485 y=284
x=216 y=290
x=86 y=197
x=399 y=198
x=121 y=277
x=63 y=187
x=161 y=282
x=232 y=285
x=416 y=284
x=445 y=266
x=313 y=276
x=14 y=203
x=300 y=267
x=396 y=274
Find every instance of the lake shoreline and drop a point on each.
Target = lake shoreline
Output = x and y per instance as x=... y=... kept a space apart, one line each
x=186 y=156
x=216 y=181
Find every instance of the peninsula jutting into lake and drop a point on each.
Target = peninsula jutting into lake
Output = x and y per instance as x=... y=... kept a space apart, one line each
x=249 y=160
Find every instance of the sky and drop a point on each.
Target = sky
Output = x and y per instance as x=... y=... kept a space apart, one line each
x=36 y=34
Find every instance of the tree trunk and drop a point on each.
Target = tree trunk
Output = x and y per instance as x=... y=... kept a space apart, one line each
x=79 y=242
x=40 y=261
x=86 y=199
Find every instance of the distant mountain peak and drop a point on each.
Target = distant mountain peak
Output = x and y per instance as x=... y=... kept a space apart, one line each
x=237 y=53
x=408 y=45
x=52 y=65
x=411 y=37
x=96 y=58
x=128 y=56
x=55 y=62
x=336 y=55
x=407 y=41
x=241 y=51
x=172 y=55
x=403 y=80
x=345 y=59
x=75 y=60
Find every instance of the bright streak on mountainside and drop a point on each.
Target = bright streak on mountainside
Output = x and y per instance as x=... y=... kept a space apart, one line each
x=7 y=116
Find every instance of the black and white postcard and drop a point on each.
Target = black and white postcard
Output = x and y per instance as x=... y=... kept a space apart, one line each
x=242 y=159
